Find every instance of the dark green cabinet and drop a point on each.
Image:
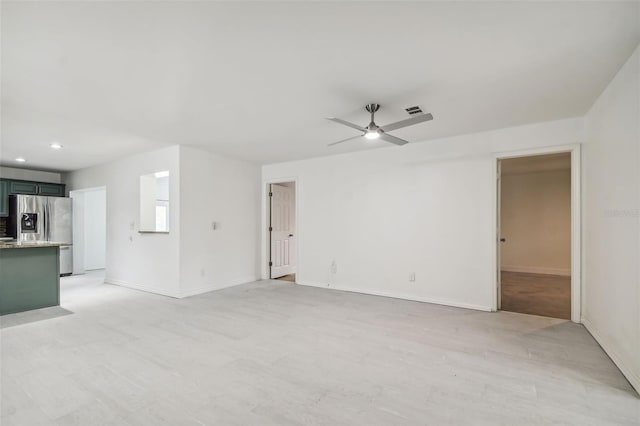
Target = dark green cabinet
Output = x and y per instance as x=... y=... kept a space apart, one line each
x=11 y=187
x=4 y=198
x=22 y=187
x=51 y=189
x=30 y=278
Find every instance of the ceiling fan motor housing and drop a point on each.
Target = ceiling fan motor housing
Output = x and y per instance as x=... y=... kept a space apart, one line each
x=372 y=107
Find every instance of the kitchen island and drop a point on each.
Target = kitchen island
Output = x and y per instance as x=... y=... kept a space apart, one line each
x=29 y=276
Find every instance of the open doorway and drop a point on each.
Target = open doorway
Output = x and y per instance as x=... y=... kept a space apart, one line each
x=89 y=229
x=281 y=220
x=535 y=235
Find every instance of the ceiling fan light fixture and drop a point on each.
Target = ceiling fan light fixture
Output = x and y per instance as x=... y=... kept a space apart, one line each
x=372 y=134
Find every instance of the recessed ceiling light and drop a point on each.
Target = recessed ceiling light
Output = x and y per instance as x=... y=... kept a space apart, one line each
x=55 y=145
x=20 y=160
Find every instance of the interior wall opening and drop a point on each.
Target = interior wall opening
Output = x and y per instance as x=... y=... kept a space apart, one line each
x=535 y=235
x=89 y=229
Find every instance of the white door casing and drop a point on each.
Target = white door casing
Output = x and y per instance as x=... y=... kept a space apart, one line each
x=576 y=215
x=282 y=230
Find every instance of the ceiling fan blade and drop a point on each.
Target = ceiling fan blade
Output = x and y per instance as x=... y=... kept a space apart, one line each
x=346 y=123
x=408 y=122
x=388 y=138
x=345 y=140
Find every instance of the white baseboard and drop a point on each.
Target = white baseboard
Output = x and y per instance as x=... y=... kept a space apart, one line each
x=632 y=376
x=140 y=287
x=212 y=287
x=436 y=301
x=537 y=270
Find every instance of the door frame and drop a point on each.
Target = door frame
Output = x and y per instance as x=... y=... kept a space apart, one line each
x=576 y=215
x=264 y=221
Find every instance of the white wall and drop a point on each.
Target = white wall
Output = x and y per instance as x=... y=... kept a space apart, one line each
x=536 y=222
x=144 y=261
x=612 y=220
x=192 y=258
x=26 y=174
x=225 y=191
x=426 y=208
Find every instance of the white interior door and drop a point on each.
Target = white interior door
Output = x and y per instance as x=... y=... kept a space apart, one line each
x=283 y=238
x=499 y=239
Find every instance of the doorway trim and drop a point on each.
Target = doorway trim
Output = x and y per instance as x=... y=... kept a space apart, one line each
x=264 y=221
x=576 y=215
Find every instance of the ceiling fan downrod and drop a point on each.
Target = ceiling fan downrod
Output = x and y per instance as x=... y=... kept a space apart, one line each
x=372 y=108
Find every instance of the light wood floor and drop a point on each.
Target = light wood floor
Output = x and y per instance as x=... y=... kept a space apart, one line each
x=537 y=294
x=291 y=278
x=272 y=353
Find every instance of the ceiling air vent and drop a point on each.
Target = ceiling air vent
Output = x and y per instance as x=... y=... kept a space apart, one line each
x=413 y=110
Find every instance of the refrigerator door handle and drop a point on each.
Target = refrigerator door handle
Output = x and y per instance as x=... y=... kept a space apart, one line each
x=46 y=221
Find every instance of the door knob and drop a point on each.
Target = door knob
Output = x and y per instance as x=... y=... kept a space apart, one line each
x=291 y=235
x=502 y=240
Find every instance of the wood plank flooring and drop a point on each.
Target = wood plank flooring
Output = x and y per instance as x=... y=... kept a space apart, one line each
x=272 y=353
x=536 y=294
x=290 y=278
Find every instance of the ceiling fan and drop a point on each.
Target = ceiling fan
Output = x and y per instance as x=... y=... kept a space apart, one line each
x=373 y=131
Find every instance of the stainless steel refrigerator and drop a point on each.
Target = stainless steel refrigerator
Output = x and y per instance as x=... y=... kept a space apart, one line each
x=36 y=218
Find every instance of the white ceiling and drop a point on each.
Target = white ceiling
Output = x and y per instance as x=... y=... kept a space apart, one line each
x=255 y=80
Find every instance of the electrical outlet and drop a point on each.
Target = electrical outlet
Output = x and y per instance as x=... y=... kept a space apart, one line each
x=334 y=267
x=412 y=276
